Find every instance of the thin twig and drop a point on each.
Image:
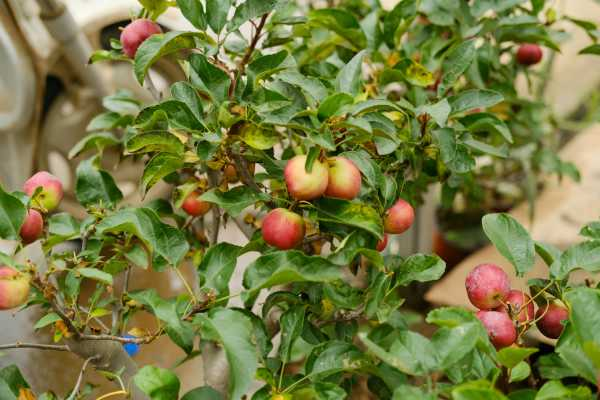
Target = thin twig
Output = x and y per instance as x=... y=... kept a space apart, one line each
x=40 y=346
x=112 y=394
x=114 y=338
x=213 y=180
x=80 y=378
x=156 y=95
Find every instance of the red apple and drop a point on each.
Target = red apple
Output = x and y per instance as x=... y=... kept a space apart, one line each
x=550 y=318
x=500 y=328
x=344 y=179
x=231 y=174
x=487 y=286
x=14 y=288
x=135 y=33
x=283 y=229
x=50 y=195
x=382 y=244
x=32 y=227
x=399 y=217
x=517 y=299
x=303 y=185
x=194 y=206
x=529 y=54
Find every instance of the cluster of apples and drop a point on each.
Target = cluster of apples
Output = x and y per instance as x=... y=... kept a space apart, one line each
x=14 y=285
x=502 y=310
x=335 y=177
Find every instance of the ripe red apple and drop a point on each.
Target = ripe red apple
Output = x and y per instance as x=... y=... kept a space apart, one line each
x=32 y=227
x=550 y=319
x=344 y=179
x=517 y=299
x=399 y=217
x=135 y=33
x=382 y=244
x=50 y=195
x=194 y=206
x=529 y=54
x=487 y=286
x=304 y=185
x=231 y=174
x=283 y=229
x=500 y=328
x=14 y=288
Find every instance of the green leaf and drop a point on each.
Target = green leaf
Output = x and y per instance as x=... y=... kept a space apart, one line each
x=478 y=390
x=122 y=102
x=547 y=252
x=217 y=267
x=349 y=80
x=46 y=320
x=583 y=315
x=209 y=78
x=352 y=213
x=421 y=268
x=177 y=113
x=155 y=7
x=454 y=154
x=158 y=383
x=511 y=240
x=355 y=244
x=261 y=138
x=251 y=9
x=185 y=93
x=160 y=45
x=591 y=49
x=265 y=66
x=555 y=390
x=342 y=22
x=332 y=104
x=438 y=111
x=408 y=392
x=520 y=372
x=486 y=122
x=95 y=186
x=14 y=380
x=151 y=142
x=333 y=357
x=96 y=275
x=511 y=356
x=410 y=71
x=94 y=141
x=216 y=13
x=396 y=21
x=469 y=100
x=159 y=166
x=235 y=200
x=235 y=332
x=459 y=59
x=367 y=166
x=193 y=11
x=107 y=121
x=552 y=366
x=584 y=255
x=202 y=393
x=501 y=151
x=281 y=267
x=165 y=240
x=291 y=323
x=570 y=350
x=12 y=216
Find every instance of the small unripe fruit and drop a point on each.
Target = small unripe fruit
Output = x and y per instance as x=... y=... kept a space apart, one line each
x=500 y=328
x=304 y=185
x=550 y=319
x=529 y=54
x=344 y=179
x=50 y=195
x=517 y=299
x=382 y=244
x=135 y=33
x=194 y=206
x=283 y=229
x=399 y=217
x=32 y=227
x=487 y=286
x=14 y=288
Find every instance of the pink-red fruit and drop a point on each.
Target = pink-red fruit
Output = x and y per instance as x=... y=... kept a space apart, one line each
x=500 y=328
x=193 y=206
x=550 y=318
x=487 y=286
x=283 y=229
x=516 y=300
x=135 y=33
x=50 y=195
x=529 y=54
x=303 y=185
x=399 y=217
x=382 y=244
x=344 y=179
x=14 y=288
x=32 y=227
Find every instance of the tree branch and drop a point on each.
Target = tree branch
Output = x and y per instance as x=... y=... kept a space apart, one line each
x=80 y=378
x=120 y=339
x=213 y=180
x=40 y=346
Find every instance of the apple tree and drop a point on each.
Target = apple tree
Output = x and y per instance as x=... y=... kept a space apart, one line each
x=314 y=128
